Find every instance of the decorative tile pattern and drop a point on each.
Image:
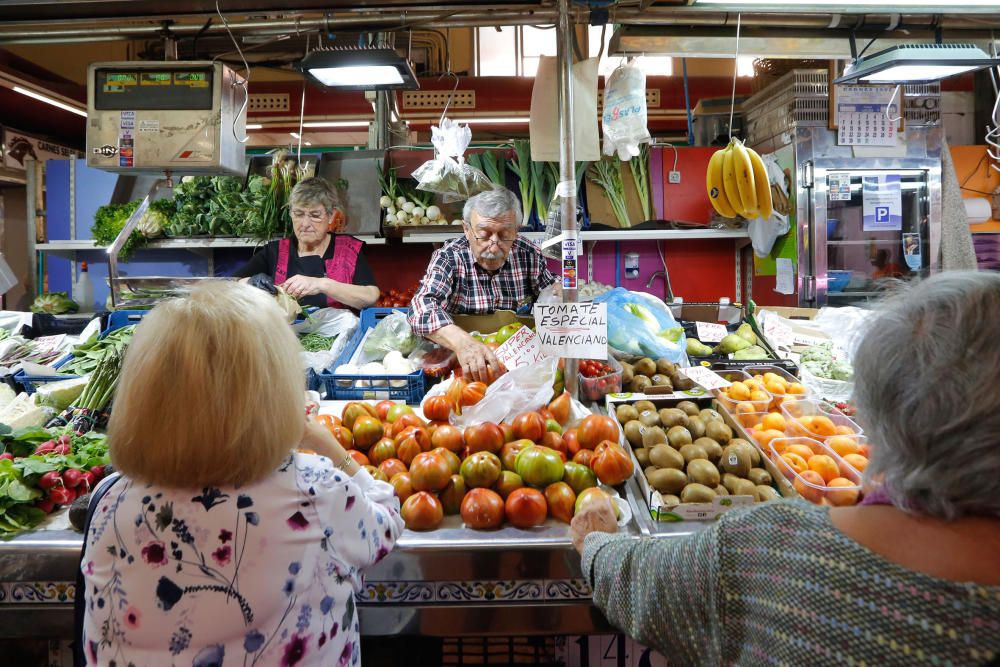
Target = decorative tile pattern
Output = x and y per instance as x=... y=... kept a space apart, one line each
x=35 y=592
x=396 y=591
x=567 y=589
x=489 y=591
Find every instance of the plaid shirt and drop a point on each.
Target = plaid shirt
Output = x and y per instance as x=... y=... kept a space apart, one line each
x=454 y=283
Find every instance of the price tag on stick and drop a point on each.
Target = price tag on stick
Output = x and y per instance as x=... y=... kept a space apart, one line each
x=710 y=332
x=705 y=377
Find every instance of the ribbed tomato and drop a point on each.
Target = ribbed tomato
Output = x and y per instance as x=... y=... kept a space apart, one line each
x=611 y=463
x=472 y=393
x=526 y=508
x=594 y=429
x=437 y=408
x=484 y=437
x=390 y=467
x=449 y=437
x=422 y=511
x=571 y=442
x=359 y=457
x=561 y=498
x=529 y=425
x=403 y=484
x=430 y=471
x=407 y=450
x=367 y=431
x=382 y=450
x=559 y=408
x=482 y=509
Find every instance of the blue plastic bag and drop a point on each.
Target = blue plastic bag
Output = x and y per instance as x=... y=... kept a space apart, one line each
x=641 y=325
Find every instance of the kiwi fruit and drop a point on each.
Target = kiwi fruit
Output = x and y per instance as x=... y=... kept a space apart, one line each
x=711 y=447
x=652 y=436
x=721 y=490
x=670 y=500
x=719 y=432
x=665 y=367
x=681 y=383
x=649 y=469
x=729 y=481
x=645 y=366
x=692 y=452
x=759 y=476
x=665 y=456
x=679 y=436
x=627 y=373
x=649 y=418
x=735 y=460
x=643 y=406
x=661 y=381
x=708 y=414
x=689 y=407
x=754 y=453
x=633 y=432
x=626 y=413
x=667 y=480
x=697 y=493
x=642 y=456
x=673 y=417
x=696 y=426
x=765 y=493
x=744 y=487
x=639 y=384
x=703 y=472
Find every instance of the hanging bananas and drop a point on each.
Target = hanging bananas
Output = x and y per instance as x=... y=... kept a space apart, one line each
x=737 y=183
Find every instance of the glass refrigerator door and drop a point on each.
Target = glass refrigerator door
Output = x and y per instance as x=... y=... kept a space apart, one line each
x=876 y=231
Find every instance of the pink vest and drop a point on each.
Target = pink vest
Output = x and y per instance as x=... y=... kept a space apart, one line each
x=340 y=267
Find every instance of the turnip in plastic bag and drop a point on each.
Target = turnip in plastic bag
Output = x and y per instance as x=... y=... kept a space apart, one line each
x=392 y=333
x=624 y=114
x=447 y=174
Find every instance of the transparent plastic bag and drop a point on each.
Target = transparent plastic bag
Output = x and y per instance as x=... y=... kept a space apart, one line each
x=392 y=333
x=765 y=231
x=624 y=114
x=447 y=174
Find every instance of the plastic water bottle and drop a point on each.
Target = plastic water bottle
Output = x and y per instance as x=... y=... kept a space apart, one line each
x=83 y=290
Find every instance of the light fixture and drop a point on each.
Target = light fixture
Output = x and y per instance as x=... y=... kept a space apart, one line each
x=255 y=126
x=360 y=69
x=49 y=100
x=337 y=123
x=917 y=63
x=295 y=135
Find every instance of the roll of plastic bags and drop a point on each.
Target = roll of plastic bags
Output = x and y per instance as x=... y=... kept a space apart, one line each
x=624 y=114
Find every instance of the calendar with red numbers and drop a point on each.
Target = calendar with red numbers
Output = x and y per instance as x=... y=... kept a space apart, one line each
x=865 y=116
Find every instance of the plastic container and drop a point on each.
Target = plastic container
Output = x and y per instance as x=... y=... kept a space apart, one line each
x=83 y=290
x=778 y=396
x=596 y=388
x=837 y=281
x=816 y=480
x=817 y=419
x=739 y=406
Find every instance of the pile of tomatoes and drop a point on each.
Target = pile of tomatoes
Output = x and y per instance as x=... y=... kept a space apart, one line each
x=591 y=368
x=395 y=298
x=522 y=472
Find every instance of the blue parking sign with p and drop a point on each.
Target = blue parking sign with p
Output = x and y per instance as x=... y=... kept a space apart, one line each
x=882 y=214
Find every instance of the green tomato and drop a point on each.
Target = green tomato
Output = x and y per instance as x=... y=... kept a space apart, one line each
x=539 y=466
x=579 y=477
x=506 y=332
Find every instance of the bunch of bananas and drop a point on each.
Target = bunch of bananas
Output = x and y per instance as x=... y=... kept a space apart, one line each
x=737 y=183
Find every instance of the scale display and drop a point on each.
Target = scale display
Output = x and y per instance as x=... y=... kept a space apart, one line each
x=138 y=90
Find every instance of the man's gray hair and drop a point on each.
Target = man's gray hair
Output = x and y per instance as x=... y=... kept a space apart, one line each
x=493 y=204
x=924 y=383
x=314 y=191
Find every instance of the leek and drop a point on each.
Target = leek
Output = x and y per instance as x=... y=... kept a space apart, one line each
x=639 y=168
x=607 y=174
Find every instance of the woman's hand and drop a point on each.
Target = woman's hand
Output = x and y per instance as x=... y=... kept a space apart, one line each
x=299 y=286
x=595 y=516
x=318 y=439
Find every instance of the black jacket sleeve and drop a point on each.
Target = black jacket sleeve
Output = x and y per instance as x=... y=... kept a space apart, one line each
x=259 y=263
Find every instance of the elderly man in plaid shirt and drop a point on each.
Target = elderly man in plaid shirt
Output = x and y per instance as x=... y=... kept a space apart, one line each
x=488 y=269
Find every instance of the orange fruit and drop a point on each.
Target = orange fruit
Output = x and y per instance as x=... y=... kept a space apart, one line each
x=842 y=492
x=806 y=484
x=825 y=466
x=776 y=387
x=760 y=395
x=866 y=451
x=754 y=383
x=843 y=445
x=758 y=427
x=738 y=391
x=844 y=429
x=796 y=463
x=856 y=461
x=774 y=420
x=765 y=436
x=796 y=388
x=743 y=409
x=823 y=426
x=800 y=448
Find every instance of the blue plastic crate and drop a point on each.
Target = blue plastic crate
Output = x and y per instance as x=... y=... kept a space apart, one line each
x=346 y=387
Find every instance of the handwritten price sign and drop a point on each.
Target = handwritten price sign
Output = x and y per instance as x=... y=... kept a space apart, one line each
x=521 y=349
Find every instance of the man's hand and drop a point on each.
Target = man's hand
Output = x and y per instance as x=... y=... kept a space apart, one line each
x=596 y=516
x=477 y=360
x=299 y=286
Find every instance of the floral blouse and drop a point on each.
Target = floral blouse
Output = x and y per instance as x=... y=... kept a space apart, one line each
x=259 y=575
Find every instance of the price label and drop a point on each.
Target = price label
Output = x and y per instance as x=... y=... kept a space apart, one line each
x=705 y=378
x=779 y=334
x=523 y=348
x=710 y=332
x=803 y=339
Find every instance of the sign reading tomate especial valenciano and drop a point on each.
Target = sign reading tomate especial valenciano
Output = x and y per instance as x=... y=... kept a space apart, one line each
x=573 y=330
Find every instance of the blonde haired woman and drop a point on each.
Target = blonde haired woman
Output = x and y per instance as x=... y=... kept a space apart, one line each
x=222 y=544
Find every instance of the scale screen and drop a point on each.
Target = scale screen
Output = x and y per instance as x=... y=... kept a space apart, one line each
x=160 y=89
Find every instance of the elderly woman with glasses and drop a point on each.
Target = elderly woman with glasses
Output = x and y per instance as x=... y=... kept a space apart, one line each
x=488 y=268
x=318 y=267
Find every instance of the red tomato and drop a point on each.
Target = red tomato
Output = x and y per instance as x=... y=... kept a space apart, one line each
x=484 y=437
x=422 y=511
x=437 y=408
x=407 y=450
x=403 y=484
x=571 y=442
x=472 y=393
x=449 y=437
x=584 y=457
x=481 y=469
x=595 y=428
x=429 y=471
x=526 y=508
x=560 y=498
x=383 y=450
x=508 y=482
x=390 y=467
x=361 y=459
x=482 y=509
x=509 y=452
x=367 y=431
x=539 y=466
x=454 y=463
x=611 y=463
x=554 y=441
x=452 y=495
x=356 y=409
x=382 y=409
x=529 y=426
x=559 y=408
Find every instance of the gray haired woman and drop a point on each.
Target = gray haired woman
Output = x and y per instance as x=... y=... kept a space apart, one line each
x=909 y=577
x=318 y=267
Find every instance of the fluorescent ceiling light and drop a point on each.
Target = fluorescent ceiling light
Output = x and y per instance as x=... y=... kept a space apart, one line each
x=337 y=123
x=915 y=63
x=49 y=100
x=255 y=126
x=295 y=135
x=493 y=121
x=360 y=69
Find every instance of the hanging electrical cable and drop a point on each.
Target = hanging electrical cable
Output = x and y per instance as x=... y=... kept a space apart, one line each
x=243 y=83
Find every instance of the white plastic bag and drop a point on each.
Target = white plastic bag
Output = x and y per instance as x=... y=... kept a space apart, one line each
x=327 y=322
x=765 y=231
x=447 y=174
x=624 y=114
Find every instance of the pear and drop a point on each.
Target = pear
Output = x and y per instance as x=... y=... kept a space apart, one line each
x=695 y=348
x=747 y=333
x=732 y=343
x=752 y=352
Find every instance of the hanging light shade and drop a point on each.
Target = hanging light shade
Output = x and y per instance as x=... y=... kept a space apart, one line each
x=360 y=69
x=917 y=63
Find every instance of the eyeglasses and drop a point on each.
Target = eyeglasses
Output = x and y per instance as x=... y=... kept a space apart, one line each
x=313 y=216
x=495 y=238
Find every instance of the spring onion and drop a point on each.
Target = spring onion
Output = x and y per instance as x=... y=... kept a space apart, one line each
x=607 y=174
x=639 y=168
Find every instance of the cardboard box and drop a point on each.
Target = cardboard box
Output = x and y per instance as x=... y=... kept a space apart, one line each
x=487 y=324
x=690 y=511
x=599 y=207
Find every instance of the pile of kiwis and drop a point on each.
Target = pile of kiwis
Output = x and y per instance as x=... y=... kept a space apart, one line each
x=661 y=375
x=689 y=454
